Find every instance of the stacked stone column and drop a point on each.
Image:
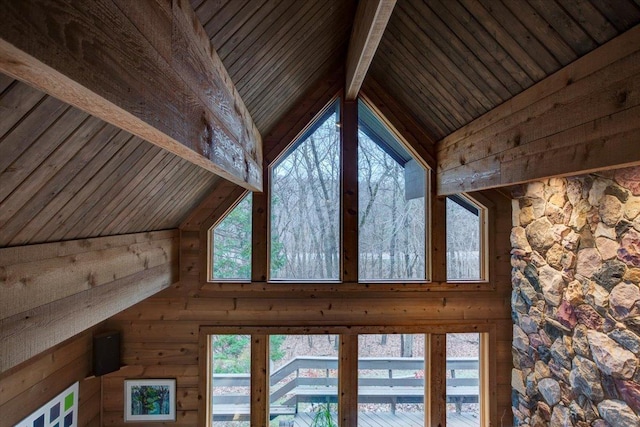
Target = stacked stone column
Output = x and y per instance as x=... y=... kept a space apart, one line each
x=576 y=301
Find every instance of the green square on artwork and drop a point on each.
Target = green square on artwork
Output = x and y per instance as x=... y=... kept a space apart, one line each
x=68 y=401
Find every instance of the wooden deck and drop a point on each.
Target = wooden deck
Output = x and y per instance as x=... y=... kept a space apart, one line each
x=386 y=419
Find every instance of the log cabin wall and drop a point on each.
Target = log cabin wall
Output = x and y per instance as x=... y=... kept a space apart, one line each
x=26 y=387
x=54 y=297
x=161 y=334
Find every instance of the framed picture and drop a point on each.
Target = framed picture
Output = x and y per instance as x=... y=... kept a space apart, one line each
x=149 y=400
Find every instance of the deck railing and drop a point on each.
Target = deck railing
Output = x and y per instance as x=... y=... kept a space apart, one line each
x=401 y=388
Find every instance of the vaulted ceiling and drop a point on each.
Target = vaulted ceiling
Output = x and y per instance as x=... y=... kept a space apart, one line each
x=66 y=175
x=450 y=61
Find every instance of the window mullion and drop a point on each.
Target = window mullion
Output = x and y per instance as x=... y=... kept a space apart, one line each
x=259 y=380
x=437 y=414
x=348 y=381
x=260 y=229
x=349 y=191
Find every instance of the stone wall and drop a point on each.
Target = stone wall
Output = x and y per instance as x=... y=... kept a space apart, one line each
x=576 y=301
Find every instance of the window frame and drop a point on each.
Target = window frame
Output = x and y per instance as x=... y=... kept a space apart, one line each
x=484 y=246
x=435 y=249
x=435 y=359
x=336 y=104
x=210 y=242
x=428 y=237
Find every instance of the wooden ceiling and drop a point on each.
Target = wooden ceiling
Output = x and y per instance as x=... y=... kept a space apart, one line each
x=450 y=61
x=66 y=175
x=274 y=50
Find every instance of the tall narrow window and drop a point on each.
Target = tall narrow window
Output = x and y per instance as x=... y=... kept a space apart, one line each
x=463 y=379
x=303 y=380
x=391 y=380
x=305 y=205
x=230 y=380
x=464 y=239
x=392 y=187
x=231 y=252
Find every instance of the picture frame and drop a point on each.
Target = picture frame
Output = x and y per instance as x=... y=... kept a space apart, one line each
x=149 y=400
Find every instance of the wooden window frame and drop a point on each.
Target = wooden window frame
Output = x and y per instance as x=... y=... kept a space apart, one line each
x=427 y=200
x=483 y=219
x=435 y=244
x=435 y=367
x=337 y=103
x=210 y=242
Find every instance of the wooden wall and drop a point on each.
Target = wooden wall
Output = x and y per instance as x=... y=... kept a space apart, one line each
x=583 y=118
x=53 y=291
x=65 y=175
x=25 y=388
x=275 y=50
x=161 y=334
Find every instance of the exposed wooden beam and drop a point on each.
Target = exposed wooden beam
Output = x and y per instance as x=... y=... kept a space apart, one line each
x=584 y=118
x=371 y=19
x=53 y=291
x=156 y=76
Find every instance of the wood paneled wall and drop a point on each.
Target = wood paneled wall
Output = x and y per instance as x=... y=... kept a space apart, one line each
x=53 y=291
x=65 y=175
x=25 y=388
x=161 y=334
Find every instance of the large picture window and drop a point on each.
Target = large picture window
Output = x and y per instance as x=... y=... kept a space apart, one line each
x=300 y=376
x=230 y=380
x=303 y=379
x=392 y=208
x=305 y=205
x=463 y=380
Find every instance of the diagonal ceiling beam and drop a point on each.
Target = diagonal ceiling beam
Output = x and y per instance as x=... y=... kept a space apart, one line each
x=371 y=19
x=145 y=66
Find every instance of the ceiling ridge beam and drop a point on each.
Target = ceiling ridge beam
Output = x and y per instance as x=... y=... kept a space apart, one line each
x=157 y=76
x=370 y=22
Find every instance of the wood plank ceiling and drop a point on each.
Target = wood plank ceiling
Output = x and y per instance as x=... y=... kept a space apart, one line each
x=450 y=61
x=275 y=50
x=66 y=175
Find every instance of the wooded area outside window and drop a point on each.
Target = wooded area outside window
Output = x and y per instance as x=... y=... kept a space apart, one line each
x=305 y=205
x=392 y=207
x=466 y=239
x=230 y=244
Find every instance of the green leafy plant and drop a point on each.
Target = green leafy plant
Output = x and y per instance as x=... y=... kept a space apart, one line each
x=323 y=416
